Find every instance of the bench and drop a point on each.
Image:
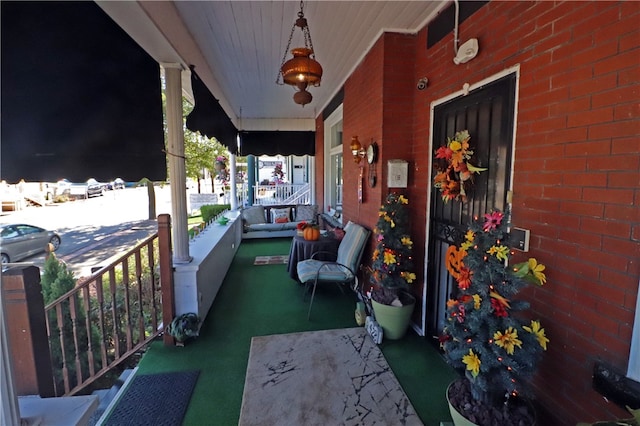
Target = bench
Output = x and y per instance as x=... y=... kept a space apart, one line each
x=271 y=221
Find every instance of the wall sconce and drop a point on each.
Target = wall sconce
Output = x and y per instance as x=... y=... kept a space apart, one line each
x=357 y=150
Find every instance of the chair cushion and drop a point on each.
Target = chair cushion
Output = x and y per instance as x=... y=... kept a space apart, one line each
x=306 y=212
x=253 y=215
x=350 y=247
x=308 y=269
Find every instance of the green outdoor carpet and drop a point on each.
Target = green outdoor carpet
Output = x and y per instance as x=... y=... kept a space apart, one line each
x=264 y=300
x=154 y=400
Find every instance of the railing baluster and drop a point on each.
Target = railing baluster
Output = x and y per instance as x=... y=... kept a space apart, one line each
x=74 y=328
x=153 y=282
x=114 y=314
x=86 y=303
x=141 y=301
x=103 y=335
x=65 y=370
x=126 y=286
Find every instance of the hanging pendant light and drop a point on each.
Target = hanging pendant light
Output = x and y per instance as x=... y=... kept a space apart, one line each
x=302 y=70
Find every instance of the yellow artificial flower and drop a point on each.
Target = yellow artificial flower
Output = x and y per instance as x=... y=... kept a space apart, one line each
x=376 y=252
x=469 y=235
x=406 y=241
x=472 y=362
x=538 y=332
x=455 y=146
x=500 y=252
x=408 y=276
x=393 y=224
x=389 y=258
x=403 y=200
x=537 y=268
x=466 y=245
x=476 y=301
x=507 y=340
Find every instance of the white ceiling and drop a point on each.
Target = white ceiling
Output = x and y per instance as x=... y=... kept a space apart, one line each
x=237 y=47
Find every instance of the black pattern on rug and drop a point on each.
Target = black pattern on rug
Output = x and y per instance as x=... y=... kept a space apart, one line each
x=329 y=377
x=155 y=400
x=271 y=260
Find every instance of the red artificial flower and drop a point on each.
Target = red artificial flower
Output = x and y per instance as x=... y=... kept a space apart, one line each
x=464 y=278
x=492 y=221
x=498 y=308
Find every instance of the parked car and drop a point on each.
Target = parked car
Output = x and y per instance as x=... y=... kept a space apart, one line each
x=18 y=241
x=94 y=188
x=63 y=186
x=117 y=184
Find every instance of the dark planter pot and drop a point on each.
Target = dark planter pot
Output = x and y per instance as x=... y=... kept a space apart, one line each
x=514 y=413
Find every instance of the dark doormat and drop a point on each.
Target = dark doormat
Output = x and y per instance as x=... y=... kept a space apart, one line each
x=155 y=400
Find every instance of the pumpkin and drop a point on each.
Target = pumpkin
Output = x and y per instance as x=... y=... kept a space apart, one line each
x=311 y=233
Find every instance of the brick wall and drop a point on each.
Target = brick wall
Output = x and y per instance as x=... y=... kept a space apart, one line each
x=576 y=171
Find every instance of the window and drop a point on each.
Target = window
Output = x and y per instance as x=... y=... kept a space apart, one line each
x=333 y=163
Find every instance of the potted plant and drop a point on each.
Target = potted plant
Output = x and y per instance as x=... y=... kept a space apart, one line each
x=392 y=268
x=184 y=327
x=487 y=334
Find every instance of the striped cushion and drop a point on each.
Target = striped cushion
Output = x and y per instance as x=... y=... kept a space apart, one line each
x=307 y=270
x=349 y=252
x=351 y=245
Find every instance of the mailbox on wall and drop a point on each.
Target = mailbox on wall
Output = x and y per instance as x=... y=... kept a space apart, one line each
x=397 y=173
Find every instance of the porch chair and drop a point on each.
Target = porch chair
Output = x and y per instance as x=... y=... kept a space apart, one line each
x=341 y=271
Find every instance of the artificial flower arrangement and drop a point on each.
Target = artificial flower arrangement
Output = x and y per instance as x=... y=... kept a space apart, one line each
x=392 y=262
x=278 y=173
x=454 y=176
x=221 y=167
x=484 y=335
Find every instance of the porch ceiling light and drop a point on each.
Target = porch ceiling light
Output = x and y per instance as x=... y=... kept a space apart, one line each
x=302 y=70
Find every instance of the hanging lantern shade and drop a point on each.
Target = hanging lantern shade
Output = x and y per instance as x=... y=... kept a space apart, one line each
x=302 y=68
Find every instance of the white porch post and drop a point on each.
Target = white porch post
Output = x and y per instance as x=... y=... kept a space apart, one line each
x=234 y=189
x=175 y=153
x=9 y=409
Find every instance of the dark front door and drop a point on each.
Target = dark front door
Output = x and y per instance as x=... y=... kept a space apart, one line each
x=488 y=114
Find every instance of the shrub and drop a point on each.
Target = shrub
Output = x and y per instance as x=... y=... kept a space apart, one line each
x=210 y=211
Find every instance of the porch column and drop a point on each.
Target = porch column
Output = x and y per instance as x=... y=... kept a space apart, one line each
x=251 y=179
x=175 y=154
x=234 y=189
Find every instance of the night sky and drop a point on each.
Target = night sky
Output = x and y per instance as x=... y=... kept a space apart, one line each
x=79 y=97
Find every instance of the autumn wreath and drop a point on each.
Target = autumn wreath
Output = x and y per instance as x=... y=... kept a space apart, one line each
x=454 y=176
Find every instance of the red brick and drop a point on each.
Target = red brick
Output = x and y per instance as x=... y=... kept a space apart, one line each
x=630 y=111
x=597 y=53
x=601 y=291
x=613 y=163
x=602 y=14
x=618 y=62
x=623 y=94
x=629 y=41
x=609 y=130
x=623 y=213
x=630 y=179
x=585 y=179
x=593 y=85
x=608 y=195
x=611 y=343
x=575 y=134
x=626 y=248
x=629 y=77
x=569 y=106
x=553 y=42
x=604 y=259
x=578 y=44
x=583 y=208
x=577 y=164
x=605 y=227
x=588 y=148
x=563 y=193
x=581 y=238
x=567 y=76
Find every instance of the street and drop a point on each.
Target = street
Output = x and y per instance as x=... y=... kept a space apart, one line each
x=96 y=229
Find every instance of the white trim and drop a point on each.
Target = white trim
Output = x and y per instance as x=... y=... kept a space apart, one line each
x=466 y=89
x=335 y=117
x=633 y=371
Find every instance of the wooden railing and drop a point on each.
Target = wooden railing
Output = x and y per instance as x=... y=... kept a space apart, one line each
x=106 y=318
x=282 y=194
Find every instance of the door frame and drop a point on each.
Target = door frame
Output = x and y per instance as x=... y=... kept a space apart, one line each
x=466 y=89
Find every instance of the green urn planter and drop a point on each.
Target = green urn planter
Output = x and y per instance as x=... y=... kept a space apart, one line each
x=394 y=320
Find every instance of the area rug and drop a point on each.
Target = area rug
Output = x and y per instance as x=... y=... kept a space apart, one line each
x=271 y=260
x=155 y=400
x=330 y=377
